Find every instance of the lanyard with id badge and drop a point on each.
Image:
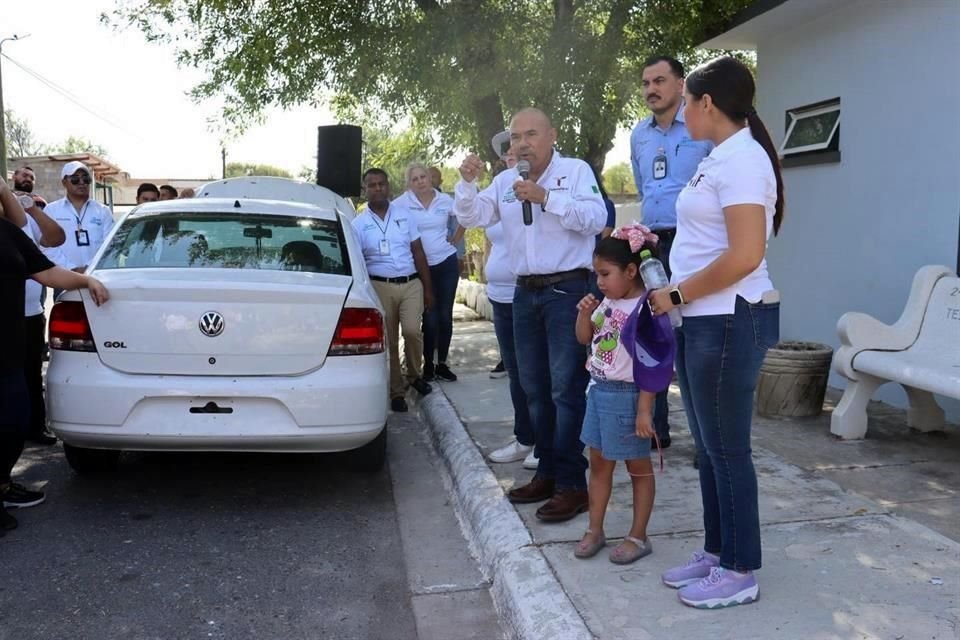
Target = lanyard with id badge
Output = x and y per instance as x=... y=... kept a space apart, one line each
x=384 y=243
x=660 y=165
x=81 y=234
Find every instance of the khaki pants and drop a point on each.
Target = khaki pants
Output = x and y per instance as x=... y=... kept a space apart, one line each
x=403 y=305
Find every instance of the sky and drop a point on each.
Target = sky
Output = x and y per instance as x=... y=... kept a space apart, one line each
x=142 y=114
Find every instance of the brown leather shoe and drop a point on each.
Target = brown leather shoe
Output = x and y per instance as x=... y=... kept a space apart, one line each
x=564 y=505
x=537 y=490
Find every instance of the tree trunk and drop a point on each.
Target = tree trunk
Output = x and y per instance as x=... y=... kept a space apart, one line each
x=488 y=114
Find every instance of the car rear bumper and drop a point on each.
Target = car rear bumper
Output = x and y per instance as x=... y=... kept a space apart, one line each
x=326 y=441
x=339 y=407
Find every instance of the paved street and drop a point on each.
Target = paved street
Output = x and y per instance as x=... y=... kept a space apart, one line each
x=242 y=546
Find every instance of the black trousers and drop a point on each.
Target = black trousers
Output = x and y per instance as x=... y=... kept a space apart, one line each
x=14 y=418
x=36 y=327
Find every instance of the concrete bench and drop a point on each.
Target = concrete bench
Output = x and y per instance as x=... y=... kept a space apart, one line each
x=921 y=352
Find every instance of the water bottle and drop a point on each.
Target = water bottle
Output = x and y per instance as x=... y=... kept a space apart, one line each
x=655 y=277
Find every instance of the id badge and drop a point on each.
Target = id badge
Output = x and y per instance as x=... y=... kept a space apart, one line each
x=384 y=247
x=83 y=238
x=660 y=165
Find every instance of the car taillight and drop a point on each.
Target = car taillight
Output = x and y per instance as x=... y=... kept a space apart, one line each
x=69 y=329
x=359 y=331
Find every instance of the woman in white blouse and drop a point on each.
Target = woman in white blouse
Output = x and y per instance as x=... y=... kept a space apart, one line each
x=731 y=316
x=433 y=209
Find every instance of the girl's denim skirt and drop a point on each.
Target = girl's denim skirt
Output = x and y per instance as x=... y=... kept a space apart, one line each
x=609 y=425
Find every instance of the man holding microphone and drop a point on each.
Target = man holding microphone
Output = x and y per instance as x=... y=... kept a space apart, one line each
x=550 y=209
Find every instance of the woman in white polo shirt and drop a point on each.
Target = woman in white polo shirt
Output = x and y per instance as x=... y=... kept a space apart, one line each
x=731 y=316
x=433 y=210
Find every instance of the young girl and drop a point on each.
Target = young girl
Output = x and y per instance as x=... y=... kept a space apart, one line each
x=618 y=424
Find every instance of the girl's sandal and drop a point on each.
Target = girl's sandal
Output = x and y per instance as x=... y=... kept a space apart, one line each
x=585 y=549
x=625 y=554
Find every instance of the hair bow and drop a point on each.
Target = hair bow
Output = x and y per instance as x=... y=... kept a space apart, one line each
x=637 y=235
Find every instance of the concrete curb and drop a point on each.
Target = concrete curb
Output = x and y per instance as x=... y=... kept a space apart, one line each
x=529 y=597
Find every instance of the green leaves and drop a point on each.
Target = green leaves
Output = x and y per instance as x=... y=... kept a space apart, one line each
x=457 y=67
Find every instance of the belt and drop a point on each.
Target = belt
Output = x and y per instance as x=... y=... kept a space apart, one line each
x=665 y=234
x=397 y=280
x=543 y=281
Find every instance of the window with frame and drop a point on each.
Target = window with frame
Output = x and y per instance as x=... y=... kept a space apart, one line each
x=812 y=134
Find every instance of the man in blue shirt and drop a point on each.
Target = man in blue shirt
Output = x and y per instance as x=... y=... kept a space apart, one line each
x=664 y=159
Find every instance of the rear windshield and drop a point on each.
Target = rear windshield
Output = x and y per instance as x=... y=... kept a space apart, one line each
x=228 y=241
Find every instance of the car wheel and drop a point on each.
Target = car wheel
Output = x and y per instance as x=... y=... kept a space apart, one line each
x=91 y=460
x=371 y=456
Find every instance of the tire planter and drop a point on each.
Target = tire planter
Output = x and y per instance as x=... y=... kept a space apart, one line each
x=793 y=380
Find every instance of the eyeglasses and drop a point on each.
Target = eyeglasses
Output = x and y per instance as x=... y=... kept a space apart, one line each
x=75 y=180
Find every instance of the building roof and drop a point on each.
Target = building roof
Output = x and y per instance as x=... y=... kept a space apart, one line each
x=765 y=17
x=101 y=167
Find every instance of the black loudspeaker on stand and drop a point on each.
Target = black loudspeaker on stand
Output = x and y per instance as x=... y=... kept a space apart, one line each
x=339 y=150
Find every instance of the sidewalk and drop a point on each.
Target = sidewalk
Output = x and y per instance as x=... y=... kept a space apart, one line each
x=860 y=538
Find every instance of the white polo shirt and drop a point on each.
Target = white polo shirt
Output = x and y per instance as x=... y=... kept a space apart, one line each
x=94 y=219
x=738 y=171
x=431 y=223
x=501 y=281
x=386 y=243
x=32 y=289
x=561 y=237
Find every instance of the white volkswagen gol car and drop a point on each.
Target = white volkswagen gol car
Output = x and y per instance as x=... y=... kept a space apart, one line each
x=233 y=325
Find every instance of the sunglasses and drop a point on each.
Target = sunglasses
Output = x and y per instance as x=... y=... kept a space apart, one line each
x=75 y=180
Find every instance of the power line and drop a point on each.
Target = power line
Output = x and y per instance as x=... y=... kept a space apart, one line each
x=50 y=84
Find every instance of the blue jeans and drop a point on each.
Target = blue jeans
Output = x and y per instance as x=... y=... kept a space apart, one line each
x=718 y=363
x=503 y=327
x=661 y=407
x=554 y=377
x=438 y=321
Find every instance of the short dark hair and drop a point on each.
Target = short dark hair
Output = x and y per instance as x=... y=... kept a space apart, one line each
x=171 y=190
x=147 y=187
x=675 y=65
x=24 y=168
x=375 y=170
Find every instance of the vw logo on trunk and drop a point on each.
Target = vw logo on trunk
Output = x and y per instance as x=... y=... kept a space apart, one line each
x=211 y=324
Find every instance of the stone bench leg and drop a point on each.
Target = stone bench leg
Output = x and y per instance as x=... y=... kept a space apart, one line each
x=849 y=420
x=924 y=413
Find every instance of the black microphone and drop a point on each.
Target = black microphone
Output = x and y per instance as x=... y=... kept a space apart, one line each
x=523 y=168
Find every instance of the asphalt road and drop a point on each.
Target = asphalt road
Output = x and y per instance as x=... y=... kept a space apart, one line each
x=206 y=546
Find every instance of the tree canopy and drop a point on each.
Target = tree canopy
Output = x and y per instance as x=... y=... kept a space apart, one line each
x=77 y=144
x=459 y=67
x=20 y=141
x=619 y=179
x=235 y=169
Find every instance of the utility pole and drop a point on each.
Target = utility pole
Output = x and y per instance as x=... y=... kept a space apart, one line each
x=3 y=126
x=223 y=162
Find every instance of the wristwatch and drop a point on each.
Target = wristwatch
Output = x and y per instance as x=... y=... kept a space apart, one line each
x=676 y=297
x=26 y=202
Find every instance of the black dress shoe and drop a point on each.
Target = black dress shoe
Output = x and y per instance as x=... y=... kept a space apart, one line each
x=44 y=438
x=421 y=386
x=444 y=373
x=7 y=521
x=428 y=372
x=399 y=405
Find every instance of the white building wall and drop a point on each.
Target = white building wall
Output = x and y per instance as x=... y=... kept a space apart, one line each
x=856 y=232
